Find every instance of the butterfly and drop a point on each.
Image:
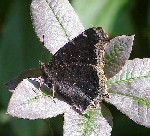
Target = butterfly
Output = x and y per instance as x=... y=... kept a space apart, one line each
x=75 y=72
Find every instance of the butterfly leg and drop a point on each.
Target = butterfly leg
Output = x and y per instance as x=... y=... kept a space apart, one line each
x=53 y=90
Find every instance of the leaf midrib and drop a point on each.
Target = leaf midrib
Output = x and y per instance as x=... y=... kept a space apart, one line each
x=140 y=101
x=61 y=25
x=112 y=83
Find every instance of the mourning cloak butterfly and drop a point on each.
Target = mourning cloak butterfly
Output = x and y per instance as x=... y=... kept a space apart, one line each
x=77 y=69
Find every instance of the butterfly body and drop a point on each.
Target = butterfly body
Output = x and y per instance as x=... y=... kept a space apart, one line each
x=74 y=69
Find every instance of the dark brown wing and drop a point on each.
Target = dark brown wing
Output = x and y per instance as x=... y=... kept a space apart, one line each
x=73 y=69
x=78 y=84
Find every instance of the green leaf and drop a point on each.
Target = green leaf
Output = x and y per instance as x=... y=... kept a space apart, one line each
x=97 y=122
x=27 y=101
x=55 y=22
x=130 y=90
x=116 y=54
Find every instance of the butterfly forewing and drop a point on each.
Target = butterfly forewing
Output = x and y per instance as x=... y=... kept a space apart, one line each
x=73 y=69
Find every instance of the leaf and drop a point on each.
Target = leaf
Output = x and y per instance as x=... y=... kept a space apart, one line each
x=29 y=102
x=130 y=90
x=55 y=22
x=95 y=124
x=116 y=54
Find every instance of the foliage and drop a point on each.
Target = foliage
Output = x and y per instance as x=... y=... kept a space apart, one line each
x=21 y=36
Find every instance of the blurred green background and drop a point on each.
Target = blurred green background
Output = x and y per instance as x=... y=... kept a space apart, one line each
x=20 y=50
